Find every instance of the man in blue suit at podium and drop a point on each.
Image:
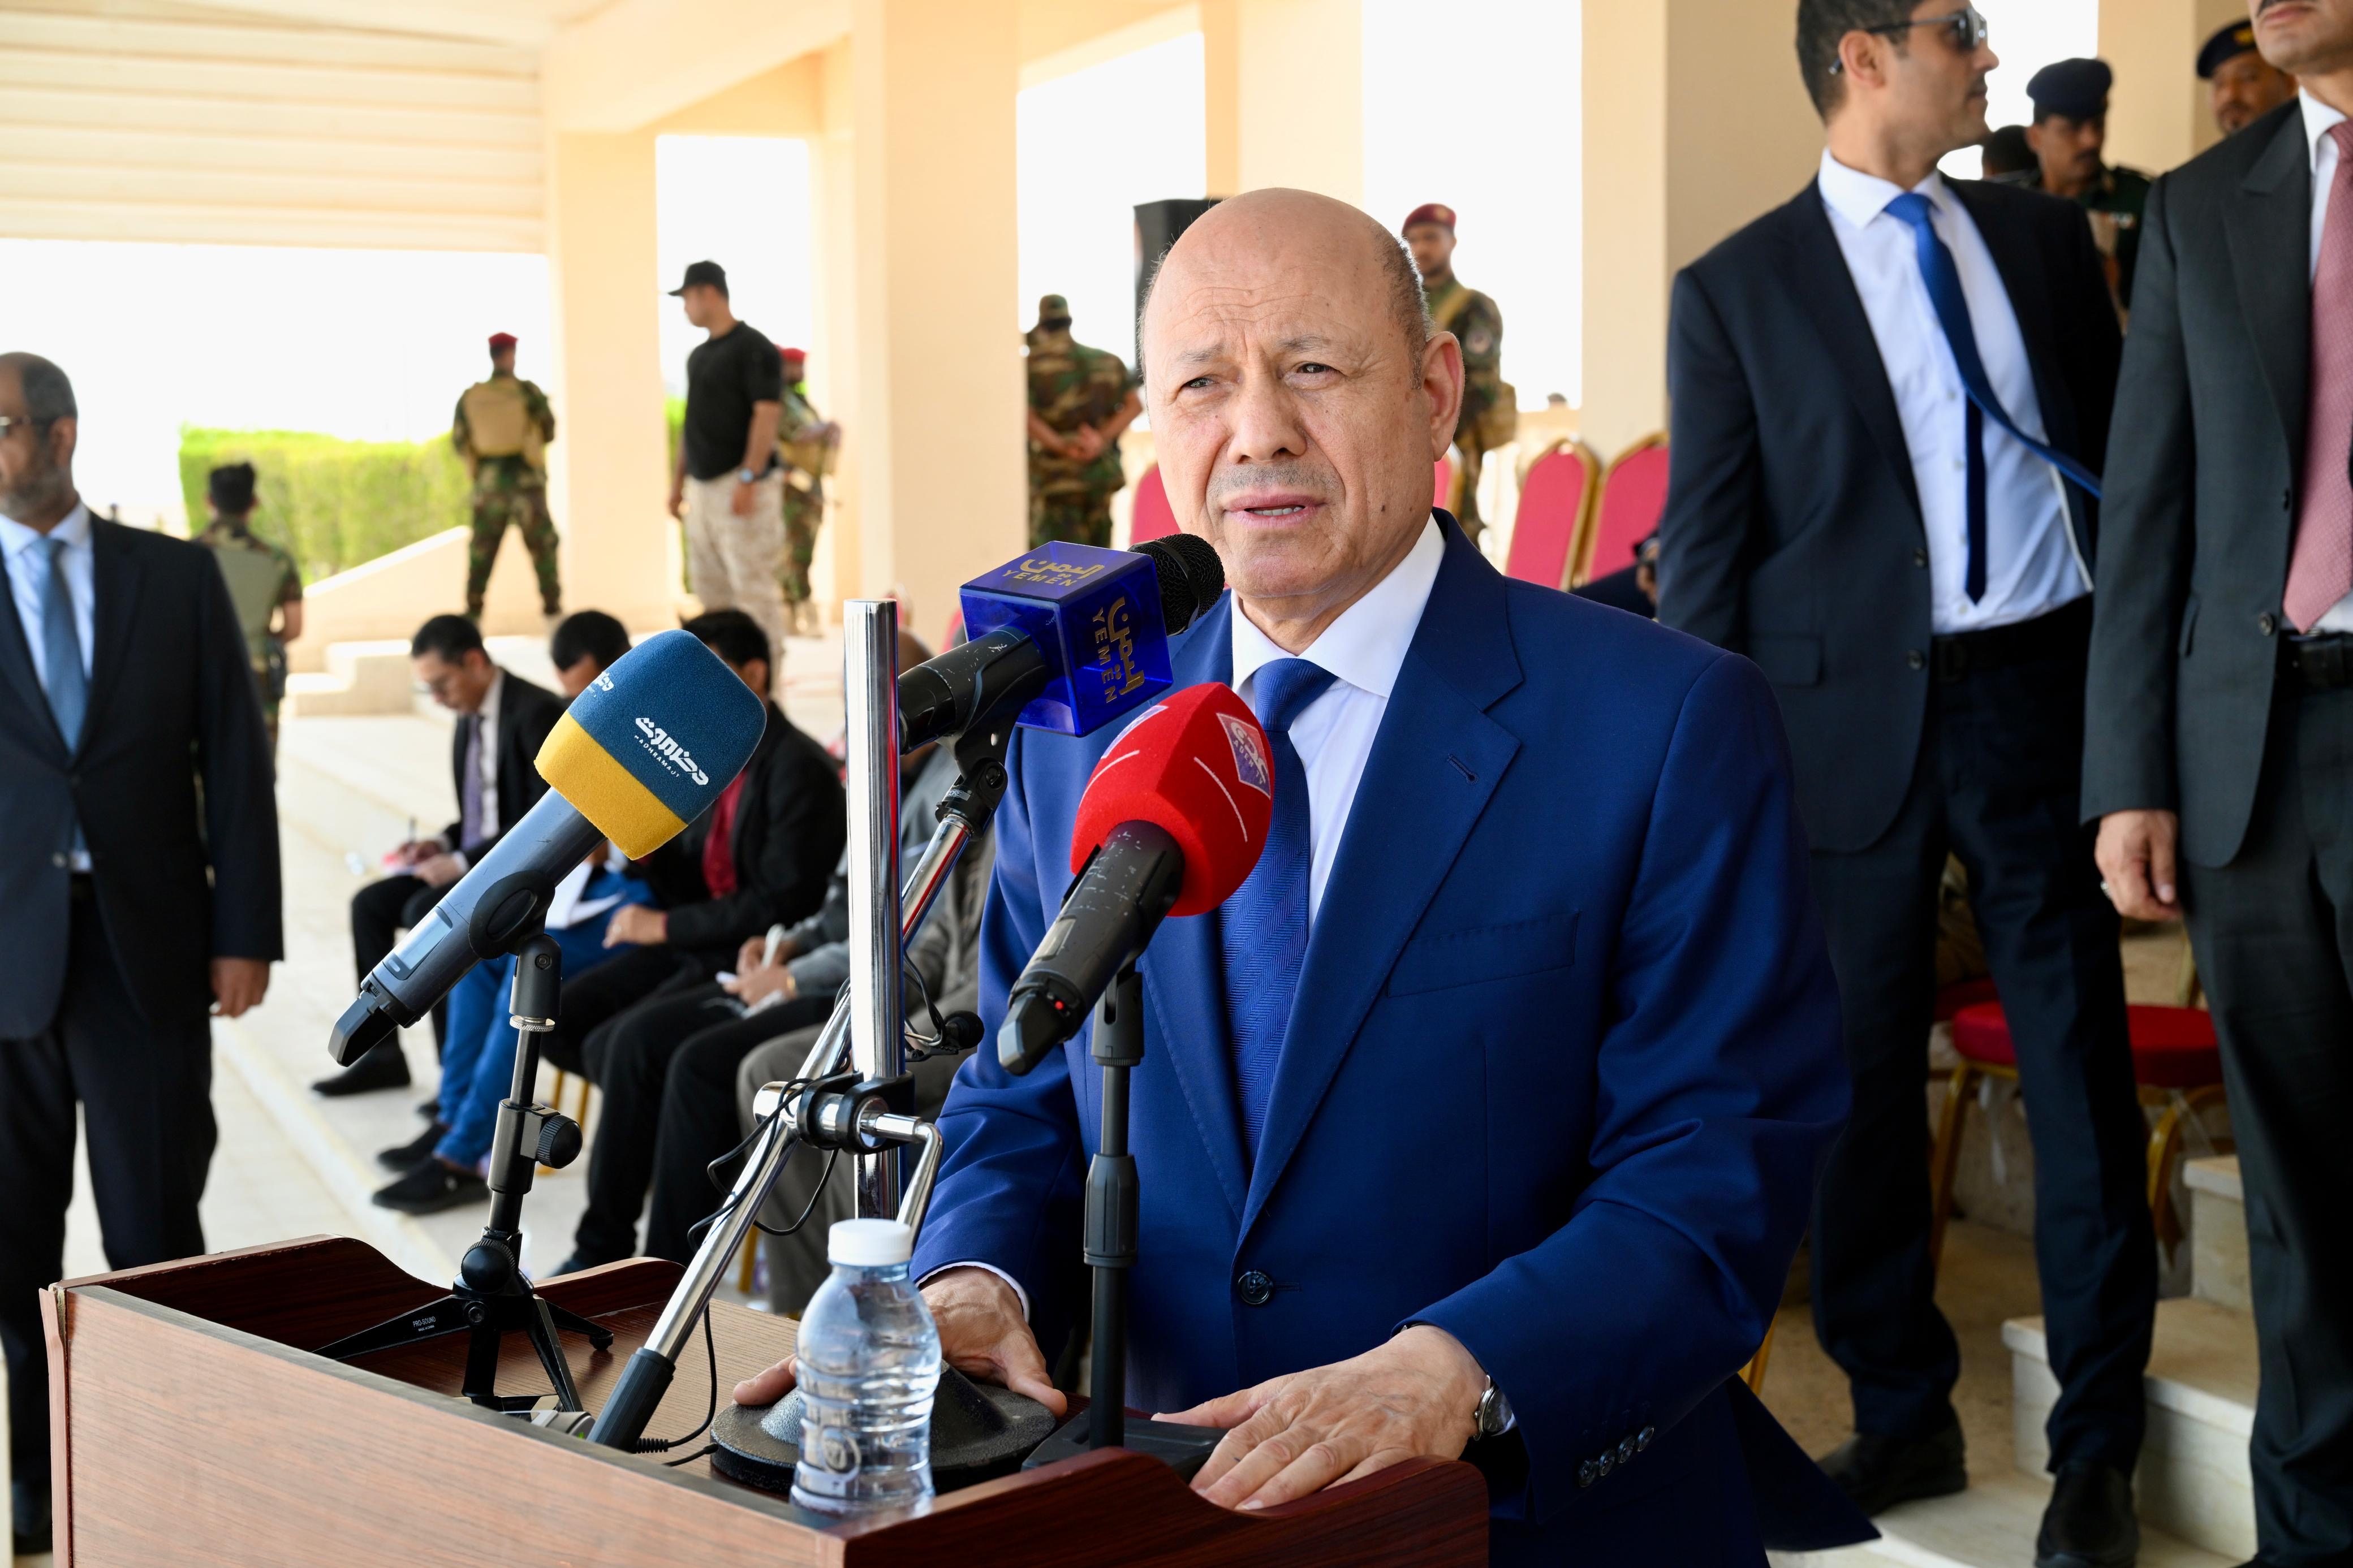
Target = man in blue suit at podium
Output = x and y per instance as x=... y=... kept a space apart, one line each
x=1484 y=1120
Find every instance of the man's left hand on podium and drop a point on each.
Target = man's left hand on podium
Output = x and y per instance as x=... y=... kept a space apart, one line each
x=1416 y=1395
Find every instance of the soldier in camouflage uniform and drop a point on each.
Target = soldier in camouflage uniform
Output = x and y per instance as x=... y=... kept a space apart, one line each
x=2069 y=135
x=1491 y=413
x=805 y=446
x=264 y=584
x=1081 y=399
x=502 y=431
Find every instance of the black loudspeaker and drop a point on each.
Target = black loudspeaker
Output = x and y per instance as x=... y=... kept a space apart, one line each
x=1157 y=225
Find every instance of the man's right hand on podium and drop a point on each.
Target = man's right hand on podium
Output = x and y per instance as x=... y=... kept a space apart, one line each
x=982 y=1334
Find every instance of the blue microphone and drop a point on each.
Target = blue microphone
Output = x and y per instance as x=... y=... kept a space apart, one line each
x=1075 y=635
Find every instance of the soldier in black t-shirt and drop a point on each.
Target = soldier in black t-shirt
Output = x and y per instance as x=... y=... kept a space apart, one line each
x=727 y=486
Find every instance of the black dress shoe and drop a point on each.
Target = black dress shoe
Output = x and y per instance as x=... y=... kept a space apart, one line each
x=430 y=1109
x=28 y=1503
x=416 y=1151
x=2090 y=1522
x=382 y=1066
x=432 y=1187
x=576 y=1263
x=1876 y=1472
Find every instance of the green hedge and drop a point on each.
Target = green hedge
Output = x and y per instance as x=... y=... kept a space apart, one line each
x=334 y=503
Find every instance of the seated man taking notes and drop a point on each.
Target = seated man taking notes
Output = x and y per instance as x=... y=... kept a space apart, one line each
x=1482 y=1121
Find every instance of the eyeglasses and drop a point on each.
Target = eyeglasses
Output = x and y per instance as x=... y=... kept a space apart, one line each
x=1966 y=26
x=11 y=423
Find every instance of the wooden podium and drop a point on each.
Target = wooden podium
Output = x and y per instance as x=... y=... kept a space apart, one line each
x=193 y=1424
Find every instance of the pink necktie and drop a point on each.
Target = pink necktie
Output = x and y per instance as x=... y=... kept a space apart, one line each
x=2320 y=571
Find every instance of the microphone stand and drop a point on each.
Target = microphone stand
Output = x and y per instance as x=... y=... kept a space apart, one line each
x=493 y=1296
x=963 y=812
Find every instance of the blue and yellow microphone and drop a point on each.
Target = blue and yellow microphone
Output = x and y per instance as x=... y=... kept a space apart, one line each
x=643 y=752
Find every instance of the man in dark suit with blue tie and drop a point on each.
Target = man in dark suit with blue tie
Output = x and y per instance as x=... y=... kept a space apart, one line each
x=1890 y=402
x=1474 y=1125
x=132 y=900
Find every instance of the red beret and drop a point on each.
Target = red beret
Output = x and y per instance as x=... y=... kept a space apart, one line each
x=1430 y=212
x=502 y=341
x=792 y=353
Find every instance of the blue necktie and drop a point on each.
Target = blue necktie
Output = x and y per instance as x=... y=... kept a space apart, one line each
x=1262 y=929
x=68 y=686
x=1943 y=280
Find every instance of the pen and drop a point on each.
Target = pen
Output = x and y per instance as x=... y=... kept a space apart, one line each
x=775 y=941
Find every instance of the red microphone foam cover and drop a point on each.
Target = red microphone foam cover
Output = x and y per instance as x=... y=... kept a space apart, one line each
x=1196 y=765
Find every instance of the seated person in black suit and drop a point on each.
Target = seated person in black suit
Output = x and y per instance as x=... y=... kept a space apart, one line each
x=1633 y=589
x=503 y=719
x=759 y=857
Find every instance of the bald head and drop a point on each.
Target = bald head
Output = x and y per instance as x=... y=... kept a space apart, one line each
x=1338 y=229
x=37 y=451
x=1299 y=397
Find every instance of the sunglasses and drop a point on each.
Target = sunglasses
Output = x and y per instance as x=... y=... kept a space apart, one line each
x=1965 y=26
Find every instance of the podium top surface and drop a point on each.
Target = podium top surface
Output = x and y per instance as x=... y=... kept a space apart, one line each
x=193 y=1424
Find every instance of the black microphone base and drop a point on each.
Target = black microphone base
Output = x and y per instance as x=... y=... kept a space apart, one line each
x=979 y=1432
x=1184 y=1449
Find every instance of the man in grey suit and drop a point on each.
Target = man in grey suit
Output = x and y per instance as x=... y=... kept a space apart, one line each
x=2219 y=756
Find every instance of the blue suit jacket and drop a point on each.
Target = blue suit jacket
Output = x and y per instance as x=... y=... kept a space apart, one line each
x=1564 y=1062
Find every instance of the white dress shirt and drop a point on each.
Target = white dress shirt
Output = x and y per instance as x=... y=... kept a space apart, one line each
x=1334 y=734
x=2031 y=566
x=486 y=762
x=2318 y=120
x=1365 y=649
x=28 y=585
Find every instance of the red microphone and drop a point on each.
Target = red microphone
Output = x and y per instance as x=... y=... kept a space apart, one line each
x=1173 y=819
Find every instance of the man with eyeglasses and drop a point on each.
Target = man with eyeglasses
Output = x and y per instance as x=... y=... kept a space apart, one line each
x=1890 y=402
x=502 y=720
x=139 y=886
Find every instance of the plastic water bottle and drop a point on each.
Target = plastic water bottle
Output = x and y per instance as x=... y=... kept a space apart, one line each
x=869 y=1358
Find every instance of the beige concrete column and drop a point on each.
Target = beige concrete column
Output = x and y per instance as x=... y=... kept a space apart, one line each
x=2157 y=112
x=611 y=468
x=942 y=494
x=1294 y=127
x=1221 y=96
x=1695 y=122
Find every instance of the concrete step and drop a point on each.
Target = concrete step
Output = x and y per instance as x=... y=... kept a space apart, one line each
x=359 y=678
x=2193 y=1480
x=2218 y=1232
x=1991 y=1525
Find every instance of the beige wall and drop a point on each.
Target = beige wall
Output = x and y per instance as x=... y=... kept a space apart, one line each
x=1291 y=129
x=2157 y=114
x=610 y=458
x=1662 y=187
x=943 y=493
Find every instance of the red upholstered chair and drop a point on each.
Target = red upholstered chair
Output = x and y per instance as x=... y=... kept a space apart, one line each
x=2177 y=1063
x=1152 y=518
x=1633 y=494
x=1441 y=482
x=1556 y=495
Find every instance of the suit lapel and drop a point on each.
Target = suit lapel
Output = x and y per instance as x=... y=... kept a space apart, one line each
x=1434 y=764
x=16 y=668
x=2270 y=235
x=115 y=592
x=1183 y=968
x=1817 y=276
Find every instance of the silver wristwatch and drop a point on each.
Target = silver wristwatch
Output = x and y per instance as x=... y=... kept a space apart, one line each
x=746 y=476
x=1493 y=1415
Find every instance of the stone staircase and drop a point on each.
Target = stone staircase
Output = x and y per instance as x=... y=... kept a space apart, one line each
x=2196 y=1501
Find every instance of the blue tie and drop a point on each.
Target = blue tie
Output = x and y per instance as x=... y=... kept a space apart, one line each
x=69 y=687
x=1943 y=280
x=1262 y=929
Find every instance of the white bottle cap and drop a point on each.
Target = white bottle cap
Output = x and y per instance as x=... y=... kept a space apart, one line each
x=868 y=1243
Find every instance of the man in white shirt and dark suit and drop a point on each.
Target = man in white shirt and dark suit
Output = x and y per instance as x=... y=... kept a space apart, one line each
x=1891 y=400
x=132 y=901
x=2219 y=757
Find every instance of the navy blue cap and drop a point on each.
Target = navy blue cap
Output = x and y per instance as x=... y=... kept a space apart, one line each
x=2238 y=38
x=2077 y=88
